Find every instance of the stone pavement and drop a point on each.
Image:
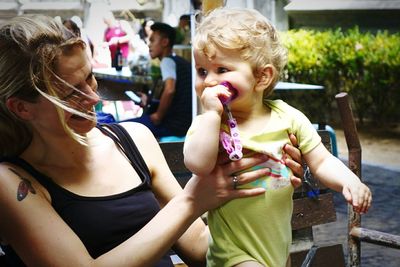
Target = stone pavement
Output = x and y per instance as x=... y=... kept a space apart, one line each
x=379 y=147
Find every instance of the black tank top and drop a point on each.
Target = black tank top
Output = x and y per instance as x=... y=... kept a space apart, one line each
x=102 y=223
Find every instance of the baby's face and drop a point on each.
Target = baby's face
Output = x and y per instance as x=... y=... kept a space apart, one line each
x=225 y=65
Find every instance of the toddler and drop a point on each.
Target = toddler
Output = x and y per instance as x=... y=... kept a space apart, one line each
x=239 y=58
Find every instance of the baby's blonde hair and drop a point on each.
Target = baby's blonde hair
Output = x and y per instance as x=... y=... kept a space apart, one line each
x=246 y=31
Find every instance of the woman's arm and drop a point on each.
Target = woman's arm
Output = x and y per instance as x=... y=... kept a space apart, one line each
x=126 y=27
x=33 y=223
x=192 y=245
x=123 y=39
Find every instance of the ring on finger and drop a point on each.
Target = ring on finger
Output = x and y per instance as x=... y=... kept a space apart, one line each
x=235 y=181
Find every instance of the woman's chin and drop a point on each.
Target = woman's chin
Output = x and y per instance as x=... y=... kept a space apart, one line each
x=80 y=124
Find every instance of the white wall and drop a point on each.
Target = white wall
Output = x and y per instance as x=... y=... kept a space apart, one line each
x=173 y=9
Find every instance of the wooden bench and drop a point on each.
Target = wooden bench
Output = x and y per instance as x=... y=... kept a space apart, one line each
x=306 y=213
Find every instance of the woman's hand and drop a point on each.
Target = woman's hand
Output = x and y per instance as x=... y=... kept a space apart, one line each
x=211 y=191
x=294 y=162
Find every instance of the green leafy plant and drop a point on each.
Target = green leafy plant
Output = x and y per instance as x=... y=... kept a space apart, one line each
x=365 y=65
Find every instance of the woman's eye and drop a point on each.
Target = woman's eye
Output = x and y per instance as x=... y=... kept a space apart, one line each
x=222 y=70
x=201 y=72
x=90 y=78
x=71 y=95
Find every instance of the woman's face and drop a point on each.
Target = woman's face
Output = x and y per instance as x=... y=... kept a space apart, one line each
x=76 y=70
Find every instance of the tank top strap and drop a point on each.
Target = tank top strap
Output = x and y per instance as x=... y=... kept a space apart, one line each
x=124 y=141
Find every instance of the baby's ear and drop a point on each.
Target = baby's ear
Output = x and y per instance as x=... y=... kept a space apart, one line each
x=265 y=77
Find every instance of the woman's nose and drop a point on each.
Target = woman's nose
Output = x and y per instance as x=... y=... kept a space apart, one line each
x=91 y=97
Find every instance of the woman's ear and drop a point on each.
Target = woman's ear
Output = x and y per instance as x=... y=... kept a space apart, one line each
x=265 y=77
x=19 y=107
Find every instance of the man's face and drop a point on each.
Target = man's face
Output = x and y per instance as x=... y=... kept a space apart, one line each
x=157 y=44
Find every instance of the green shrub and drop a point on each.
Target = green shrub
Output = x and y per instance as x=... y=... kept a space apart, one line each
x=365 y=65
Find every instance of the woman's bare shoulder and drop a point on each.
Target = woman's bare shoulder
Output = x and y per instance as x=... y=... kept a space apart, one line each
x=138 y=131
x=10 y=172
x=19 y=181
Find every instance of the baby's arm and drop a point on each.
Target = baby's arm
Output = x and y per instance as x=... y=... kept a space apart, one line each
x=335 y=175
x=201 y=144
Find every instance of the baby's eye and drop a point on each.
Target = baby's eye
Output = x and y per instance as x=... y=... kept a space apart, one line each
x=201 y=72
x=222 y=70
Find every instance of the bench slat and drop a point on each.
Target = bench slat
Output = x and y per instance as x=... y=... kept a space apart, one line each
x=326 y=256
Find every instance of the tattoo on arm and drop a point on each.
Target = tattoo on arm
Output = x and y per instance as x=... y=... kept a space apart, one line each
x=24 y=187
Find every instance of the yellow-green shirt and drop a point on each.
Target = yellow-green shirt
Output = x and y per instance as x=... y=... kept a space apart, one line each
x=259 y=228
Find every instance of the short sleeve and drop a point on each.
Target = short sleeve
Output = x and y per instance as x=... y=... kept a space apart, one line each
x=168 y=68
x=298 y=124
x=307 y=136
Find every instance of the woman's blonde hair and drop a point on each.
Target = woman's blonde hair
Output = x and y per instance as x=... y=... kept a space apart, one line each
x=246 y=31
x=30 y=46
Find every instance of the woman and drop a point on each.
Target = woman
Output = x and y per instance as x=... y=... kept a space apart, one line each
x=117 y=36
x=145 y=31
x=76 y=194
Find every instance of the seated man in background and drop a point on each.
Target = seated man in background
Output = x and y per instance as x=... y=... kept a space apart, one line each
x=173 y=115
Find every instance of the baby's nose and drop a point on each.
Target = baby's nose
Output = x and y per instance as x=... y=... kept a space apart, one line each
x=210 y=80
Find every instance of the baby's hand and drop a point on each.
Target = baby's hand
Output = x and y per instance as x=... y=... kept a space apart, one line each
x=359 y=196
x=210 y=98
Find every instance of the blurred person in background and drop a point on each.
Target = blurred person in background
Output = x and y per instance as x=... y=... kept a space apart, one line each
x=172 y=115
x=183 y=30
x=145 y=30
x=118 y=34
x=139 y=43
